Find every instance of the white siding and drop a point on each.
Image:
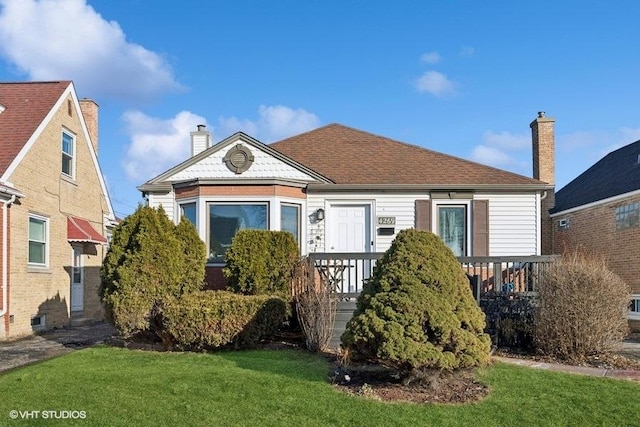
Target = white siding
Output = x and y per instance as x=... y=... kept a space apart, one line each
x=167 y=201
x=264 y=166
x=513 y=219
x=513 y=224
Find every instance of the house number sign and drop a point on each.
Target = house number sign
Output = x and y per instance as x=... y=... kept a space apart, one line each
x=386 y=220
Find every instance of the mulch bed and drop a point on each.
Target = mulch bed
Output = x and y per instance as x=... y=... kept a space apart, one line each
x=432 y=387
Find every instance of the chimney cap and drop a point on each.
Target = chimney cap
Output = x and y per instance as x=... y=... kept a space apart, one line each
x=540 y=114
x=201 y=128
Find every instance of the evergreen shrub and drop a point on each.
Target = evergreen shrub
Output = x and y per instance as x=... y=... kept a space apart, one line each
x=261 y=262
x=149 y=258
x=417 y=311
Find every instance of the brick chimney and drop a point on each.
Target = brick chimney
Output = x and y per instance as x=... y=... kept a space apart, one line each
x=90 y=113
x=544 y=159
x=544 y=169
x=200 y=140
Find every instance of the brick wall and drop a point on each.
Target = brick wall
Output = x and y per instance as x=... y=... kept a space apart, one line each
x=594 y=230
x=37 y=291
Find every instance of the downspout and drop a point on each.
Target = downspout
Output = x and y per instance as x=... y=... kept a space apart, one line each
x=5 y=273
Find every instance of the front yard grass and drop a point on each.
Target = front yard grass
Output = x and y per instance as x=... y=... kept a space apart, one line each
x=117 y=386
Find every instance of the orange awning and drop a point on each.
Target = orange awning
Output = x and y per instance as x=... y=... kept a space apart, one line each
x=80 y=230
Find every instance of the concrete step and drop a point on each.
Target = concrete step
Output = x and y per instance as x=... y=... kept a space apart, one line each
x=80 y=321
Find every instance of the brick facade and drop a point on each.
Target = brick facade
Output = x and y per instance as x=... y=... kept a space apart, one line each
x=37 y=291
x=593 y=229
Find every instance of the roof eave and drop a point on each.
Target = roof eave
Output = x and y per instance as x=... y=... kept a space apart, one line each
x=421 y=188
x=241 y=181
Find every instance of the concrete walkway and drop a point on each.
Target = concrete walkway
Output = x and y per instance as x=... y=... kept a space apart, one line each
x=52 y=343
x=40 y=347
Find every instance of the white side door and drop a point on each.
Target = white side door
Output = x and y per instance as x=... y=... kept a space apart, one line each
x=77 y=280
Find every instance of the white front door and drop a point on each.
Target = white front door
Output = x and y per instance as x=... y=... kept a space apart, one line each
x=77 y=280
x=349 y=230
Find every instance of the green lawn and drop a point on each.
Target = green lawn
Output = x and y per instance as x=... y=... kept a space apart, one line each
x=287 y=388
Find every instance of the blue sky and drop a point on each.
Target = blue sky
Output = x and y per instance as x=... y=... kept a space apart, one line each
x=461 y=77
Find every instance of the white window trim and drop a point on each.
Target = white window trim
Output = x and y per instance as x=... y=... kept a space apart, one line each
x=634 y=315
x=73 y=156
x=300 y=226
x=46 y=242
x=269 y=202
x=178 y=210
x=435 y=226
x=273 y=202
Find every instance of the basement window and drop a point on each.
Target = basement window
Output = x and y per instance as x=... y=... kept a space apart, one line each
x=634 y=307
x=38 y=322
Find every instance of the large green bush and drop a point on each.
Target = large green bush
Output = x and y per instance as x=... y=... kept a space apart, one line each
x=417 y=311
x=261 y=262
x=211 y=319
x=149 y=259
x=581 y=308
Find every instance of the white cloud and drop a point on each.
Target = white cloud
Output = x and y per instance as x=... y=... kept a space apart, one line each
x=273 y=123
x=506 y=140
x=69 y=40
x=157 y=144
x=431 y=57
x=436 y=84
x=629 y=135
x=504 y=150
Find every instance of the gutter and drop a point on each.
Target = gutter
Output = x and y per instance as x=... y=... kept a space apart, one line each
x=421 y=188
x=5 y=273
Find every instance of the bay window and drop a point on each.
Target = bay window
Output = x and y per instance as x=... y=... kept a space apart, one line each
x=290 y=219
x=225 y=219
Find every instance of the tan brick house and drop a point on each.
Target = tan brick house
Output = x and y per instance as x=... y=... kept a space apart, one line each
x=339 y=189
x=54 y=207
x=599 y=212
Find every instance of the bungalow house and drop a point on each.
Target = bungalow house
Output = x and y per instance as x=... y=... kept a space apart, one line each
x=599 y=211
x=339 y=189
x=54 y=208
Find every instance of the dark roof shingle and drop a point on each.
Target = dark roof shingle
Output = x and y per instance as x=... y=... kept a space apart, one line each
x=26 y=106
x=350 y=156
x=616 y=173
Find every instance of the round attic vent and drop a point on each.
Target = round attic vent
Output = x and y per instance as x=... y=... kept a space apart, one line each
x=238 y=159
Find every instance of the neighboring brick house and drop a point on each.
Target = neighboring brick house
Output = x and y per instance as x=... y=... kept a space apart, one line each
x=54 y=208
x=599 y=212
x=339 y=189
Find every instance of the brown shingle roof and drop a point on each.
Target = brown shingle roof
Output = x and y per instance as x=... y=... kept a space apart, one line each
x=350 y=156
x=26 y=106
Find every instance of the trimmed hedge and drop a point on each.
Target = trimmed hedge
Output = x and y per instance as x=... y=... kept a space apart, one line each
x=261 y=262
x=212 y=319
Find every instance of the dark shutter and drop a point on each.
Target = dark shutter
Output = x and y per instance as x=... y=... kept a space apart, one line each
x=423 y=215
x=480 y=214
